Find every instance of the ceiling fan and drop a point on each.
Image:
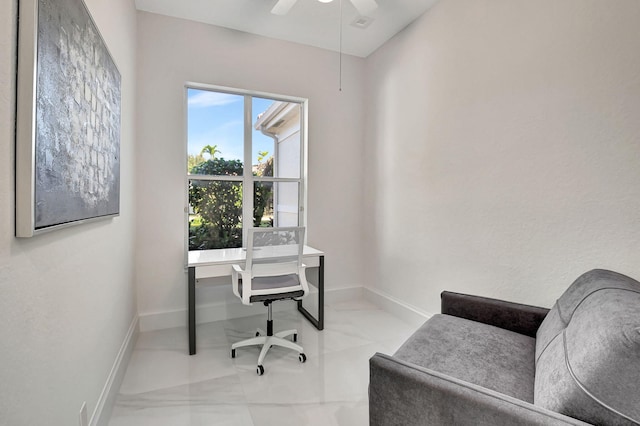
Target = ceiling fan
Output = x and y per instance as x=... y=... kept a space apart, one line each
x=364 y=7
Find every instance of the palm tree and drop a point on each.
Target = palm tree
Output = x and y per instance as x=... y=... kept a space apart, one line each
x=211 y=150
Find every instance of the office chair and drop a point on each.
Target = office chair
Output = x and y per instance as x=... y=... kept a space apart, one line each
x=273 y=271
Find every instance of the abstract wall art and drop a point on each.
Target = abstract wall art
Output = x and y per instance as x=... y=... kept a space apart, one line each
x=68 y=119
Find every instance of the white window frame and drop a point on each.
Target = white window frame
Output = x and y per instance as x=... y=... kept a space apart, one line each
x=248 y=179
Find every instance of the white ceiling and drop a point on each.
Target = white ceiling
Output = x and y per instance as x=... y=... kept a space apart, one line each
x=308 y=22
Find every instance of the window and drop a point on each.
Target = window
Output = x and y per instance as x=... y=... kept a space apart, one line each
x=245 y=164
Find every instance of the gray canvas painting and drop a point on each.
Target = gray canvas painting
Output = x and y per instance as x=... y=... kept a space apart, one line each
x=77 y=146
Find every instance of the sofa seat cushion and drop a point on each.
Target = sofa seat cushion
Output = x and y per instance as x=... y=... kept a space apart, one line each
x=588 y=351
x=477 y=353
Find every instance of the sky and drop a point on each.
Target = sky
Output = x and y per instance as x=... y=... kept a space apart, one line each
x=215 y=118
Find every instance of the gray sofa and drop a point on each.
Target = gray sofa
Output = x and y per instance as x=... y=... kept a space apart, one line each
x=490 y=362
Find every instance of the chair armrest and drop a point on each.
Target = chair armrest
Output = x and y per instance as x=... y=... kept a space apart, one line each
x=401 y=393
x=523 y=319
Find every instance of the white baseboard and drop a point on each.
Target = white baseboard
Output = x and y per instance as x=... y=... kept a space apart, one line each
x=102 y=412
x=233 y=308
x=402 y=310
x=344 y=294
x=205 y=313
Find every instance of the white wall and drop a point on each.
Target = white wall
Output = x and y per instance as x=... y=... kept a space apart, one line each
x=67 y=298
x=504 y=141
x=172 y=52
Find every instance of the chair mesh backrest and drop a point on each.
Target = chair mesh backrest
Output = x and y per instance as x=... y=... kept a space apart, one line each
x=274 y=251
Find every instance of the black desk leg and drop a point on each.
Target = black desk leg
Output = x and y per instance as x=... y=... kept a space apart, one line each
x=321 y=295
x=317 y=322
x=192 y=310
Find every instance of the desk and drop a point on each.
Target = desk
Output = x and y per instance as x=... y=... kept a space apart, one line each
x=217 y=263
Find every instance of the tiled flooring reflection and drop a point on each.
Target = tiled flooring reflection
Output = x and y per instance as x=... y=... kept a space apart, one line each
x=164 y=386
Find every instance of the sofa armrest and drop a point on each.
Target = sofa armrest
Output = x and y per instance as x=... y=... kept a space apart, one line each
x=523 y=319
x=402 y=393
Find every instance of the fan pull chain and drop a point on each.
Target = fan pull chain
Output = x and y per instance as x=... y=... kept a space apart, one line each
x=340 y=72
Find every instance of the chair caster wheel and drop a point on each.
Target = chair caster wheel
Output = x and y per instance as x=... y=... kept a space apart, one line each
x=302 y=358
x=295 y=337
x=233 y=353
x=260 y=370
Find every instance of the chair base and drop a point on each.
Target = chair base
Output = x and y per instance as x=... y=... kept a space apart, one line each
x=267 y=342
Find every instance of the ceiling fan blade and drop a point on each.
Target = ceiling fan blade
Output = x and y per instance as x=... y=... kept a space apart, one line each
x=283 y=6
x=365 y=7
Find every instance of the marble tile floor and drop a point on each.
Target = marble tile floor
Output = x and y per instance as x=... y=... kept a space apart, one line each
x=164 y=386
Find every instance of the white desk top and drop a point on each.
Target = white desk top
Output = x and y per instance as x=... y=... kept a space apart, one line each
x=231 y=255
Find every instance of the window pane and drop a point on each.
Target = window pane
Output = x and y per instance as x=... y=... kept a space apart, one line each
x=215 y=133
x=276 y=138
x=263 y=204
x=263 y=148
x=215 y=214
x=276 y=204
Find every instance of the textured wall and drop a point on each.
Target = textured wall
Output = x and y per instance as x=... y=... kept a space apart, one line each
x=174 y=51
x=504 y=141
x=66 y=298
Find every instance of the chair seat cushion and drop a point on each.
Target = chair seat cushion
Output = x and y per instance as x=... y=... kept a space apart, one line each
x=291 y=281
x=477 y=353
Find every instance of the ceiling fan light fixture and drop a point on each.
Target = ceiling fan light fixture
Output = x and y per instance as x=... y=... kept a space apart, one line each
x=325 y=1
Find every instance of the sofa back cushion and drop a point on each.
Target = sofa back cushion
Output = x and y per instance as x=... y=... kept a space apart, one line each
x=588 y=351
